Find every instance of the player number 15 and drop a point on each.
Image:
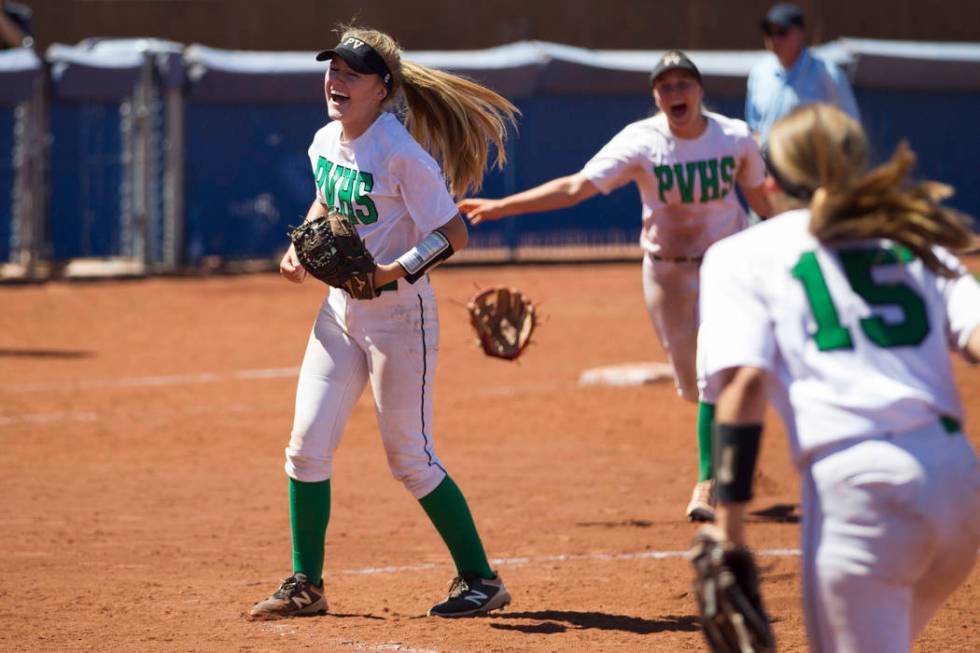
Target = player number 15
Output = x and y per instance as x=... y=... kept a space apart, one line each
x=858 y=264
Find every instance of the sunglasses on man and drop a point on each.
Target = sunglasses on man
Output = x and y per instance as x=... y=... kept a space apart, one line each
x=775 y=32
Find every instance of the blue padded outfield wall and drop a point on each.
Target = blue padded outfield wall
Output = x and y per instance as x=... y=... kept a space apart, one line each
x=86 y=173
x=244 y=121
x=943 y=129
x=247 y=176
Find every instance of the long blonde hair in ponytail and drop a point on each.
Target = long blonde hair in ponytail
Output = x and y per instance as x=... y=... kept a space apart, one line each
x=821 y=148
x=453 y=119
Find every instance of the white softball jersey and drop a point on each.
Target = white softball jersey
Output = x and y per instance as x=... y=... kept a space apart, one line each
x=687 y=186
x=858 y=334
x=395 y=195
x=384 y=182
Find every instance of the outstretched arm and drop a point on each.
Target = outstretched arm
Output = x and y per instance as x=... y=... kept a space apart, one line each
x=558 y=193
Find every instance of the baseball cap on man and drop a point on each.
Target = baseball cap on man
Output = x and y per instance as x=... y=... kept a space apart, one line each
x=673 y=60
x=360 y=57
x=783 y=15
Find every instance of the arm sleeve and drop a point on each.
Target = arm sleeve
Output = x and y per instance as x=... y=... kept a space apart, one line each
x=730 y=296
x=752 y=170
x=422 y=188
x=615 y=164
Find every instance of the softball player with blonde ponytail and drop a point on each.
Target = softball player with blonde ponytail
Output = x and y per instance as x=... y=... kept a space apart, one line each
x=850 y=305
x=370 y=168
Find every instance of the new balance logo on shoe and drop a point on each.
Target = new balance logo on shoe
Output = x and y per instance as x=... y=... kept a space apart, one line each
x=476 y=597
x=296 y=597
x=303 y=600
x=471 y=595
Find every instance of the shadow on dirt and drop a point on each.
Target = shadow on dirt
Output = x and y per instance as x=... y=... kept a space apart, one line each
x=44 y=353
x=626 y=523
x=559 y=621
x=783 y=513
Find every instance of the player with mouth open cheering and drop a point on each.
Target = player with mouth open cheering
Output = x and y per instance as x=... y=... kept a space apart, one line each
x=686 y=162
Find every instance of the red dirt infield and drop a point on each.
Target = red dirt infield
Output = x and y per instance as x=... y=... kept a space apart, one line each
x=142 y=427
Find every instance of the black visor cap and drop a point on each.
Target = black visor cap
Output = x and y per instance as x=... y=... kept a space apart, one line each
x=361 y=57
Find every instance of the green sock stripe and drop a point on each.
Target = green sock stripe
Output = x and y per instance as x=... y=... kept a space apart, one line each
x=309 y=513
x=449 y=513
x=706 y=420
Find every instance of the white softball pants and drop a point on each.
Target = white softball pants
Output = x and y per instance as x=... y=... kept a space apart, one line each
x=391 y=341
x=891 y=527
x=670 y=292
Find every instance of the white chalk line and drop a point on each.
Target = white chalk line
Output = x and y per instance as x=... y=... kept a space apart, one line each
x=47 y=418
x=156 y=381
x=240 y=375
x=78 y=416
x=354 y=644
x=563 y=557
x=394 y=646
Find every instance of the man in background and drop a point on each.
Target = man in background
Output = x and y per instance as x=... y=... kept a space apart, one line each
x=792 y=75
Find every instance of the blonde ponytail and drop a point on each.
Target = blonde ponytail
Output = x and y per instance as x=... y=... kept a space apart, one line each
x=454 y=119
x=821 y=148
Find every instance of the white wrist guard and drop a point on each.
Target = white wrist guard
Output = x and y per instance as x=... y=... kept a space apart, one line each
x=433 y=250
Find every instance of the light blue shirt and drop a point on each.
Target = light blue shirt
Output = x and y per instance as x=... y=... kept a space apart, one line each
x=773 y=92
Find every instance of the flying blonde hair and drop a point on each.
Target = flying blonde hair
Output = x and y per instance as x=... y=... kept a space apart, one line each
x=819 y=148
x=453 y=119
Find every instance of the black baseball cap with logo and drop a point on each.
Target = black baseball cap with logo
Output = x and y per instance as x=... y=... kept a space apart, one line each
x=360 y=57
x=674 y=60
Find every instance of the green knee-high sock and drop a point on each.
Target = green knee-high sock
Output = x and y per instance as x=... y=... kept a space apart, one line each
x=706 y=420
x=309 y=512
x=447 y=509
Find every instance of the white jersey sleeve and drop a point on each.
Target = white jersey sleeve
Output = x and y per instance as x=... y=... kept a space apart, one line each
x=617 y=163
x=730 y=296
x=422 y=187
x=752 y=169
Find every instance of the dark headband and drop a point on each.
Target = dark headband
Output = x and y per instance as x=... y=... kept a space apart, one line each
x=797 y=191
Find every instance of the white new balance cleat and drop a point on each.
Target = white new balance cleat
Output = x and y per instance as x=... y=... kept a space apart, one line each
x=702 y=505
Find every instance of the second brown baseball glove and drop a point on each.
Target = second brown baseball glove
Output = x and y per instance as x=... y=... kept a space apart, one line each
x=504 y=320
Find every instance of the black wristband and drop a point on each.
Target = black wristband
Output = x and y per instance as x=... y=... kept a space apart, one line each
x=736 y=449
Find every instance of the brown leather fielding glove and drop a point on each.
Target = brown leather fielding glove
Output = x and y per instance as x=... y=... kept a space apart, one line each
x=329 y=248
x=504 y=320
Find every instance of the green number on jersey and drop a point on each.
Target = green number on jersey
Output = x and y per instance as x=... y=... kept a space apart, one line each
x=830 y=333
x=858 y=264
